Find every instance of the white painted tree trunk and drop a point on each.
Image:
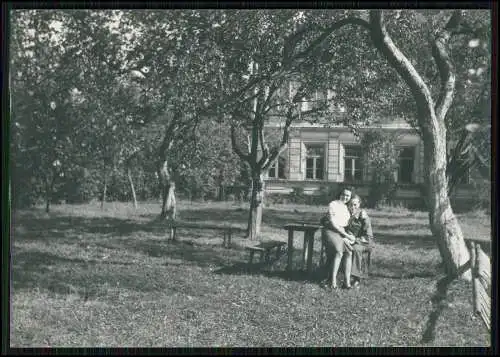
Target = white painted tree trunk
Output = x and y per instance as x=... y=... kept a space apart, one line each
x=132 y=188
x=167 y=188
x=256 y=207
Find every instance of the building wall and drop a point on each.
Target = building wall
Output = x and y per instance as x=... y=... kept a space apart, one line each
x=333 y=162
x=294 y=157
x=334 y=142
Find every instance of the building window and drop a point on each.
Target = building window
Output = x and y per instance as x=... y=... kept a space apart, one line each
x=406 y=164
x=353 y=164
x=313 y=101
x=320 y=95
x=277 y=169
x=315 y=161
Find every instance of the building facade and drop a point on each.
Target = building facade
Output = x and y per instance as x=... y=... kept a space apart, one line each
x=318 y=157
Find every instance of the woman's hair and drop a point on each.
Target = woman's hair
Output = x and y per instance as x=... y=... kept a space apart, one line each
x=348 y=188
x=356 y=197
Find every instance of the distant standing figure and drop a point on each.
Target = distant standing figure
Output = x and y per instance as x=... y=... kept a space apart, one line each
x=336 y=240
x=360 y=226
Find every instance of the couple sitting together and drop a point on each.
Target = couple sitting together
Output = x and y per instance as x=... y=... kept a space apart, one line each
x=346 y=233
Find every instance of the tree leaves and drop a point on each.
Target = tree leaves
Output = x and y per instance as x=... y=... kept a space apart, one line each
x=133 y=68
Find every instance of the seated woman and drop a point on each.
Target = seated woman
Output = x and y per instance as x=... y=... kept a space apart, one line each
x=336 y=240
x=360 y=226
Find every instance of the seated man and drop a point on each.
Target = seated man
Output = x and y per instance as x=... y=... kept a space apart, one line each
x=360 y=226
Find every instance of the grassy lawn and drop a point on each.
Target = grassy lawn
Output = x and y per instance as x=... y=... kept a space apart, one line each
x=83 y=277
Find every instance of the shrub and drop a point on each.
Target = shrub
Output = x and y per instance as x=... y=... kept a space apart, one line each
x=396 y=207
x=276 y=198
x=381 y=193
x=482 y=187
x=326 y=194
x=297 y=195
x=81 y=186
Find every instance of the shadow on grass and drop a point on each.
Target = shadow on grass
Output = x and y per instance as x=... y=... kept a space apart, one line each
x=268 y=269
x=59 y=273
x=438 y=301
x=409 y=227
x=62 y=228
x=380 y=268
x=93 y=278
x=128 y=263
x=271 y=217
x=41 y=269
x=200 y=255
x=377 y=214
x=230 y=215
x=388 y=271
x=413 y=240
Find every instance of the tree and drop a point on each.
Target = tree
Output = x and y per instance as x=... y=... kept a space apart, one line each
x=212 y=165
x=269 y=68
x=41 y=106
x=186 y=51
x=385 y=95
x=430 y=114
x=170 y=44
x=382 y=155
x=471 y=110
x=431 y=122
x=74 y=64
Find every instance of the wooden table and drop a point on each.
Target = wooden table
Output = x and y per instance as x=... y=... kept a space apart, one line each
x=309 y=230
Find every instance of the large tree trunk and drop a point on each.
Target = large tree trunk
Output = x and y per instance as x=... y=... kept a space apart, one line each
x=256 y=207
x=443 y=222
x=132 y=188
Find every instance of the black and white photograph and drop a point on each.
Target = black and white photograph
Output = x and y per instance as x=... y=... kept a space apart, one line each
x=183 y=177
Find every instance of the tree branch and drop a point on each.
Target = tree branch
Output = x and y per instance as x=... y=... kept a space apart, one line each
x=290 y=43
x=313 y=111
x=444 y=64
x=237 y=150
x=276 y=151
x=328 y=31
x=171 y=129
x=272 y=89
x=383 y=41
x=264 y=148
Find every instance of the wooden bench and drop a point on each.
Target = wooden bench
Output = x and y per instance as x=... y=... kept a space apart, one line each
x=264 y=249
x=481 y=278
x=226 y=229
